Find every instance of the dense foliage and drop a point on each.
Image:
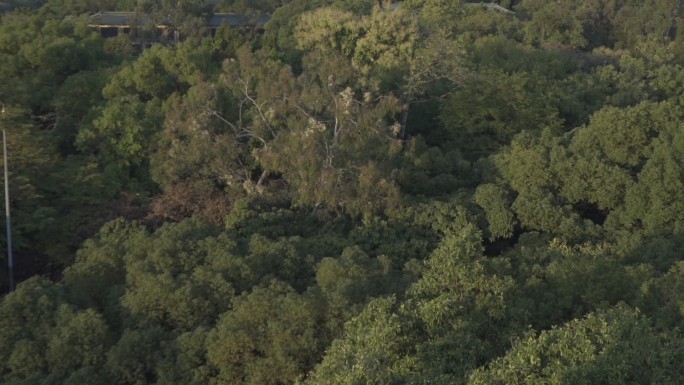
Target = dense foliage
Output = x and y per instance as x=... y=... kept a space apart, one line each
x=369 y=192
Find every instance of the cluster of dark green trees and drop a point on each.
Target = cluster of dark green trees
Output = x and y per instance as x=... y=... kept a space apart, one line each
x=432 y=192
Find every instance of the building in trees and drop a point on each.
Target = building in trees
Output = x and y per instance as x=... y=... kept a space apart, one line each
x=150 y=27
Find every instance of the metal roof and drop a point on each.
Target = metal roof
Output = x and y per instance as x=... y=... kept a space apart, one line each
x=124 y=19
x=232 y=19
x=213 y=20
x=490 y=6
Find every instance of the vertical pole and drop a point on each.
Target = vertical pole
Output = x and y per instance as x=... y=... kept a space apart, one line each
x=10 y=262
x=2 y=117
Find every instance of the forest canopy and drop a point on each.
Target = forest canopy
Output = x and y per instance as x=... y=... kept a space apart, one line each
x=361 y=192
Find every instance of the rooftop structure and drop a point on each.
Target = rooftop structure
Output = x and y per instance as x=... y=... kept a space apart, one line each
x=490 y=6
x=111 y=24
x=123 y=19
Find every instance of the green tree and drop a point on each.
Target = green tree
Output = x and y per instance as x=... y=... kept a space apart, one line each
x=270 y=336
x=451 y=319
x=98 y=276
x=646 y=21
x=79 y=340
x=613 y=347
x=496 y=203
x=185 y=361
x=462 y=302
x=169 y=283
x=44 y=338
x=553 y=23
x=372 y=350
x=481 y=122
x=347 y=283
x=27 y=315
x=135 y=357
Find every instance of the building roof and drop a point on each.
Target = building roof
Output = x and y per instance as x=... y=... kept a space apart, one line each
x=124 y=19
x=232 y=19
x=237 y=20
x=490 y=6
x=121 y=19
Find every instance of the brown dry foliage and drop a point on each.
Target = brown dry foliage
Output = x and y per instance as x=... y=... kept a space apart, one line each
x=182 y=201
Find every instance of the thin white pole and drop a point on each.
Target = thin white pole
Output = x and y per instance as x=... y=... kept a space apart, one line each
x=8 y=218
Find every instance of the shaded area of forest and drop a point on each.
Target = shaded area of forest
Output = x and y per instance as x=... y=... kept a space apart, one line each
x=428 y=193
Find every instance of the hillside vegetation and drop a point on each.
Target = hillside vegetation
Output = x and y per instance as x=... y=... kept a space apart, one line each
x=426 y=192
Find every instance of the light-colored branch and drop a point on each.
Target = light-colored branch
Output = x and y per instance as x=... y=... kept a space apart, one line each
x=256 y=105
